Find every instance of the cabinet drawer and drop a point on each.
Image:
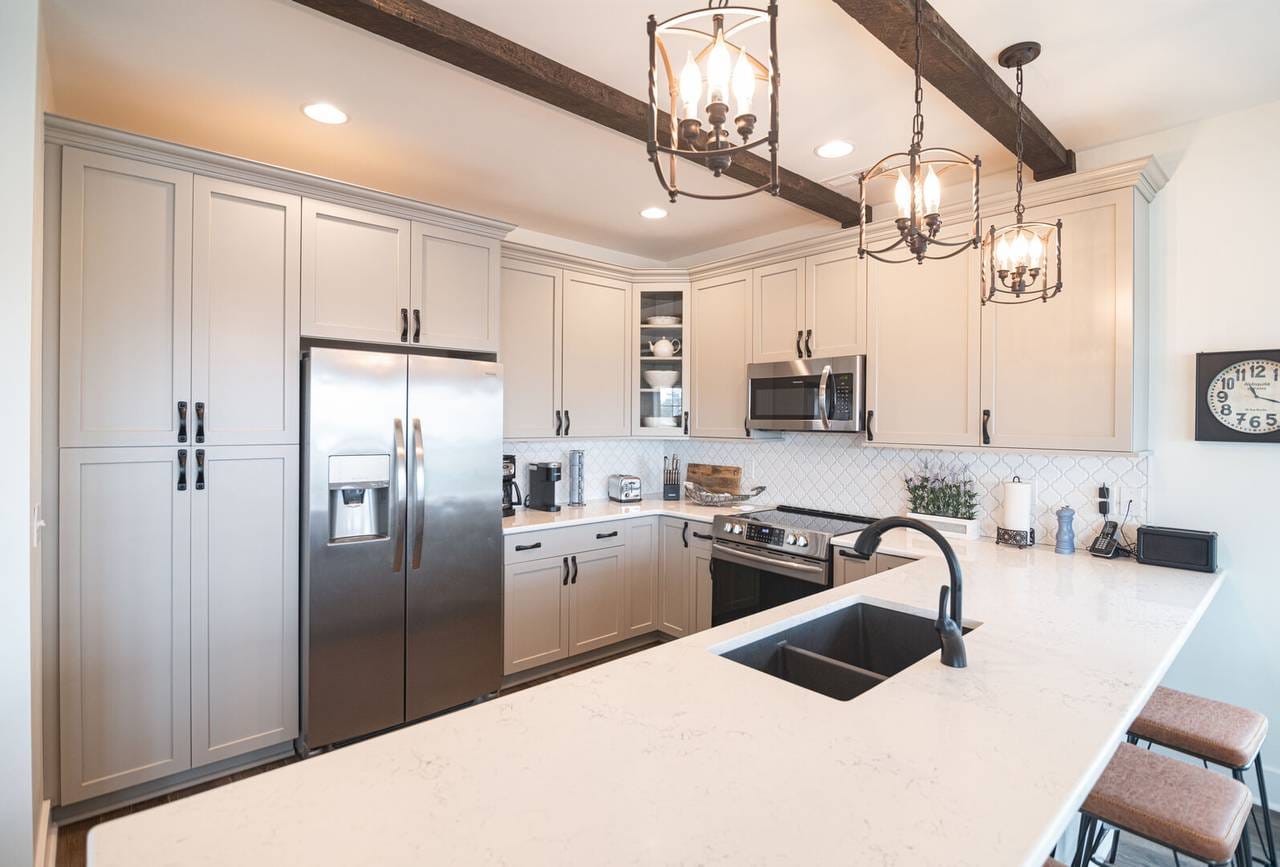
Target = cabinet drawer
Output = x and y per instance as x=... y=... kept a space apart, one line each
x=562 y=541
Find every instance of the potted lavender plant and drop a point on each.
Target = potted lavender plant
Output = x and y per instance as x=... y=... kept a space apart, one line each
x=946 y=500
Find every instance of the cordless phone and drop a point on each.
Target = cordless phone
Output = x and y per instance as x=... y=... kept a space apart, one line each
x=1106 y=545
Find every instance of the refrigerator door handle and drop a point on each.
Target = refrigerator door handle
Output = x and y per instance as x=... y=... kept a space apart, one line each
x=399 y=500
x=419 y=494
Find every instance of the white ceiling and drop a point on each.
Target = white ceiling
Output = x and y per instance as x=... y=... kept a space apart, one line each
x=232 y=75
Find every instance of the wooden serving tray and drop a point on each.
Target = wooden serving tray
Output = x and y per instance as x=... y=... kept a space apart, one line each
x=715 y=477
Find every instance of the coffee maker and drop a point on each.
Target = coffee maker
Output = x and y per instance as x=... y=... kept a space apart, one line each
x=511 y=496
x=542 y=486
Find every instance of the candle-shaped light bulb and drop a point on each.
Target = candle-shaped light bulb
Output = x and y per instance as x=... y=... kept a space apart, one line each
x=932 y=192
x=744 y=82
x=690 y=86
x=1019 y=249
x=1035 y=250
x=1002 y=253
x=719 y=64
x=902 y=195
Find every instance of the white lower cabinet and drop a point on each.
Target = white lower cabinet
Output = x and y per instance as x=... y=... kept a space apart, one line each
x=685 y=577
x=177 y=610
x=642 y=576
x=535 y=613
x=597 y=599
x=850 y=568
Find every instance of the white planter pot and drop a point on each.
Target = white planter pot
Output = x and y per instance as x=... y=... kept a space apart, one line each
x=958 y=528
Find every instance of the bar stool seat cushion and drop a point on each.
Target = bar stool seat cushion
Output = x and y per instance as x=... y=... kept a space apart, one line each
x=1183 y=806
x=1222 y=733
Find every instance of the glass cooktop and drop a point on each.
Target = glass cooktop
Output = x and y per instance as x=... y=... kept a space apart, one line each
x=794 y=518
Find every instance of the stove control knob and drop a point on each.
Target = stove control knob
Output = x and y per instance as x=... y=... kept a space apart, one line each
x=801 y=541
x=791 y=539
x=737 y=528
x=728 y=528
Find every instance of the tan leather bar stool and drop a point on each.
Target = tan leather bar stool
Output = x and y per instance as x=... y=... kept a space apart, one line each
x=1188 y=809
x=1214 y=732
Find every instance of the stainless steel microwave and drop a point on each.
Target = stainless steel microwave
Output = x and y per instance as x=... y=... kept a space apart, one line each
x=822 y=394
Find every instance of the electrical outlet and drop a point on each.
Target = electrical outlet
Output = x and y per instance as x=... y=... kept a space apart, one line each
x=1123 y=495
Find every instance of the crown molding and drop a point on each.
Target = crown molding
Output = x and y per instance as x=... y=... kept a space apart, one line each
x=525 y=253
x=76 y=133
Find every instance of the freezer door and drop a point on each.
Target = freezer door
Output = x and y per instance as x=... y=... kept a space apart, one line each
x=353 y=553
x=453 y=650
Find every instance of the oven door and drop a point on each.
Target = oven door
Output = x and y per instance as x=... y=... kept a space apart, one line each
x=822 y=394
x=745 y=581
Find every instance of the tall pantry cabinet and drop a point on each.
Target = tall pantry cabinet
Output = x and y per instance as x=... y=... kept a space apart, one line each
x=178 y=429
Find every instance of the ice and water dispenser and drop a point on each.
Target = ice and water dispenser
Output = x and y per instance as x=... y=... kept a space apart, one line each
x=359 y=497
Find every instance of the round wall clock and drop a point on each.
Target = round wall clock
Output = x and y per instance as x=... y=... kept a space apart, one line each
x=1238 y=396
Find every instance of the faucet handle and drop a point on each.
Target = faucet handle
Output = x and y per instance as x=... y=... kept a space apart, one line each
x=950 y=634
x=943 y=617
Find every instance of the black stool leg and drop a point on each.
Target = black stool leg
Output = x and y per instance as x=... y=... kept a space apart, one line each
x=1086 y=826
x=1266 y=811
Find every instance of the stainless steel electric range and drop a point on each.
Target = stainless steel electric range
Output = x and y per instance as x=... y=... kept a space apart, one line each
x=772 y=556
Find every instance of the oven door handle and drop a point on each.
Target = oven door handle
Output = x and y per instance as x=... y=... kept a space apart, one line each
x=814 y=574
x=822 y=397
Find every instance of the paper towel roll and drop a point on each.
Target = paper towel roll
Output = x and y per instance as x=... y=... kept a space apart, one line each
x=1017 y=505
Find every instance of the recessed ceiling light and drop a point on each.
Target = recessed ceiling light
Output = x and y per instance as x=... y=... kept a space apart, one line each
x=834 y=149
x=653 y=213
x=324 y=112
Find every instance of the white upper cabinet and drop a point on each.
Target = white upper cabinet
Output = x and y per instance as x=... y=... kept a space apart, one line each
x=778 y=298
x=244 y=332
x=594 y=363
x=455 y=289
x=529 y=350
x=125 y=347
x=721 y=350
x=923 y=352
x=1070 y=373
x=835 y=304
x=355 y=274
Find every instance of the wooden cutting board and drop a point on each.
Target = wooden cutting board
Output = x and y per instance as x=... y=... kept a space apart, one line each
x=715 y=478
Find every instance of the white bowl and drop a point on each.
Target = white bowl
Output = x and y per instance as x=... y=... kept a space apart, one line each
x=662 y=320
x=661 y=378
x=659 y=421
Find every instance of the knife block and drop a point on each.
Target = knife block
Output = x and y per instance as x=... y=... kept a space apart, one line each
x=671 y=491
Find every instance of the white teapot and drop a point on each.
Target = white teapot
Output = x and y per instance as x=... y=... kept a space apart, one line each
x=664 y=348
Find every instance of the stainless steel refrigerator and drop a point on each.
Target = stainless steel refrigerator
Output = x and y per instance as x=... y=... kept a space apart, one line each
x=402 y=551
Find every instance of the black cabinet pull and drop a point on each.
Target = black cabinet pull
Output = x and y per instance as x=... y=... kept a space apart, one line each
x=182 y=421
x=557 y=422
x=986 y=429
x=808 y=351
x=852 y=555
x=871 y=435
x=199 y=469
x=684 y=534
x=565 y=581
x=417 y=325
x=799 y=351
x=574 y=560
x=686 y=423
x=404 y=324
x=606 y=535
x=704 y=536
x=566 y=422
x=182 y=469
x=199 y=421
x=528 y=547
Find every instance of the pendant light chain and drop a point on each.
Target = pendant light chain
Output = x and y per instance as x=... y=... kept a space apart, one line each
x=917 y=123
x=1018 y=208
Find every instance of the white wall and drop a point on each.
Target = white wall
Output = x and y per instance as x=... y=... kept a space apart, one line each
x=20 y=153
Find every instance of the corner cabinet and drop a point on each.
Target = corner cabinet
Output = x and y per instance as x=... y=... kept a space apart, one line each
x=659 y=358
x=722 y=338
x=686 y=577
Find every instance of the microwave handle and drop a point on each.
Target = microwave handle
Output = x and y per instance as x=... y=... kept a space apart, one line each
x=822 y=397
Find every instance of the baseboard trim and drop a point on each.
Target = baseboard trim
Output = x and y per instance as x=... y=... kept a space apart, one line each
x=562 y=665
x=46 y=837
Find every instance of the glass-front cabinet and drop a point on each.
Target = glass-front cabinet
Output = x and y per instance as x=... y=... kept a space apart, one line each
x=660 y=403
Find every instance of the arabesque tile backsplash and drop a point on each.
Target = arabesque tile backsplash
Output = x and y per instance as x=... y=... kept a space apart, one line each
x=838 y=473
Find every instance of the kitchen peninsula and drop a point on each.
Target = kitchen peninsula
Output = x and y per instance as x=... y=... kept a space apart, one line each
x=677 y=756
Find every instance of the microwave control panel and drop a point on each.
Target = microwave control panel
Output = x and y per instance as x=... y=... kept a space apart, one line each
x=841 y=386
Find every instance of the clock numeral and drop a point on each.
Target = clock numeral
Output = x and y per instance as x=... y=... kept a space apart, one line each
x=1256 y=370
x=1240 y=418
x=1255 y=422
x=1226 y=409
x=1222 y=395
x=1272 y=421
x=1230 y=383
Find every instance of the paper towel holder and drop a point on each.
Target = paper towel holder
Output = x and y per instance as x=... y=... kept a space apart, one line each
x=1016 y=538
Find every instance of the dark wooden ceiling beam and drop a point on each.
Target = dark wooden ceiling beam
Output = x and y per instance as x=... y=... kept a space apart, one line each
x=960 y=73
x=435 y=32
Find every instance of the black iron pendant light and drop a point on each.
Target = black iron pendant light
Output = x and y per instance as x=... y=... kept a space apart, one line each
x=1018 y=254
x=918 y=191
x=717 y=65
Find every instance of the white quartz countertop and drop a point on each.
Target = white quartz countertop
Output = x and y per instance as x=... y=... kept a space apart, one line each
x=596 y=511
x=675 y=755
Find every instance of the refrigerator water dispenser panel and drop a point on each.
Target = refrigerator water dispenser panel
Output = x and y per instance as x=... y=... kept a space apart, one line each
x=359 y=497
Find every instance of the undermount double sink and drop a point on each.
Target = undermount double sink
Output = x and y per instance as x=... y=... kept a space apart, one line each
x=845 y=653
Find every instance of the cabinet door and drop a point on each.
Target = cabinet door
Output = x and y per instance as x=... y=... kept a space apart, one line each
x=355 y=274
x=676 y=584
x=535 y=613
x=244 y=314
x=850 y=568
x=529 y=349
x=885 y=562
x=923 y=352
x=455 y=289
x=125 y=350
x=244 y=600
x=597 y=599
x=700 y=576
x=124 y=628
x=836 y=303
x=778 y=302
x=720 y=353
x=594 y=365
x=1059 y=375
x=642 y=576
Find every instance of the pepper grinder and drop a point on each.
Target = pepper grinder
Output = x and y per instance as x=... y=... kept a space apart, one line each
x=1065 y=541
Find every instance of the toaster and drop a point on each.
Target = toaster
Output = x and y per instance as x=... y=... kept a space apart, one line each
x=624 y=489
